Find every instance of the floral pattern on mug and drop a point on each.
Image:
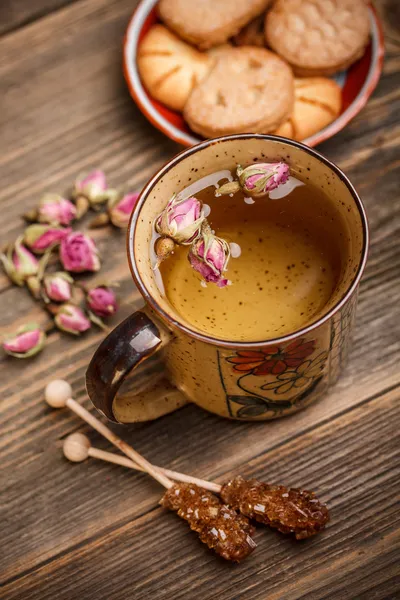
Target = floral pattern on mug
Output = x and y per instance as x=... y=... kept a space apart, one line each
x=274 y=360
x=300 y=377
x=274 y=380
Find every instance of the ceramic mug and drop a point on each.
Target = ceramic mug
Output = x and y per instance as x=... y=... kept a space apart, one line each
x=192 y=366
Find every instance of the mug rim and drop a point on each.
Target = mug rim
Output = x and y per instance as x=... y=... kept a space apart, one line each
x=165 y=316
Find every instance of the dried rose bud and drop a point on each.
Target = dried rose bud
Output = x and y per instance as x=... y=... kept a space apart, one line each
x=164 y=247
x=181 y=220
x=93 y=187
x=72 y=319
x=56 y=210
x=57 y=287
x=120 y=209
x=27 y=341
x=209 y=256
x=261 y=178
x=19 y=263
x=102 y=301
x=40 y=238
x=79 y=253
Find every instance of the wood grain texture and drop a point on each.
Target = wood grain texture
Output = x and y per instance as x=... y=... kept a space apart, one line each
x=94 y=530
x=155 y=555
x=18 y=13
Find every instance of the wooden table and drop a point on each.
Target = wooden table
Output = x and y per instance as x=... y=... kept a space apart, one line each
x=96 y=531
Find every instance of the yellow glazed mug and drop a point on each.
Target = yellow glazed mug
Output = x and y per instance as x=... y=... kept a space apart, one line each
x=192 y=366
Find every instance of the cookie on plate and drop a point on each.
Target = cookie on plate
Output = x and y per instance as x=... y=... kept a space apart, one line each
x=207 y=23
x=248 y=90
x=170 y=68
x=318 y=102
x=318 y=37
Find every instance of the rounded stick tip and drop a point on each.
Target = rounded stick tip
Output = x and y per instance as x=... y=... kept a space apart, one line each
x=57 y=393
x=76 y=447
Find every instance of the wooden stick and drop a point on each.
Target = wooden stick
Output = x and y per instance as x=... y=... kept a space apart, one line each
x=57 y=395
x=77 y=448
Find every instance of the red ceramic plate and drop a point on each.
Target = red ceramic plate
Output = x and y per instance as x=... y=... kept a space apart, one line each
x=357 y=83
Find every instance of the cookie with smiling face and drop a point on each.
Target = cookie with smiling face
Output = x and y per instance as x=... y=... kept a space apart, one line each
x=318 y=37
x=249 y=90
x=207 y=23
x=318 y=102
x=170 y=68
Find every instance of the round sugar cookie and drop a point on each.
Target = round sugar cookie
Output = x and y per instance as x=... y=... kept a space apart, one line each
x=318 y=37
x=249 y=90
x=207 y=23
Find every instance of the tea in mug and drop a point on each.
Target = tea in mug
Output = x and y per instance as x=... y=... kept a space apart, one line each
x=287 y=257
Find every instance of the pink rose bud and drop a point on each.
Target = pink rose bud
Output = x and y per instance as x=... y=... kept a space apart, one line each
x=57 y=287
x=181 y=220
x=121 y=210
x=261 y=178
x=209 y=256
x=93 y=187
x=19 y=263
x=28 y=341
x=102 y=301
x=72 y=319
x=41 y=237
x=78 y=253
x=56 y=210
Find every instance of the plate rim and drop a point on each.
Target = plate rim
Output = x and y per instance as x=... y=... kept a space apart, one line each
x=139 y=94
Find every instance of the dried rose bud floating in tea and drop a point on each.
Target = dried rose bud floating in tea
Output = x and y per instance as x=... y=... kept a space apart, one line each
x=209 y=255
x=257 y=180
x=181 y=220
x=287 y=267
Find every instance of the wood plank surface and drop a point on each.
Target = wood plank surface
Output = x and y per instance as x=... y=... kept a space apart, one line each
x=95 y=531
x=156 y=555
x=18 y=13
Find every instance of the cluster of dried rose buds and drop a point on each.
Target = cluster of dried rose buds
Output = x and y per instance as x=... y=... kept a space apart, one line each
x=183 y=222
x=30 y=261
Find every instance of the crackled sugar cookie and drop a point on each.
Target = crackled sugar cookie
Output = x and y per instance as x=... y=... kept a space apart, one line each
x=248 y=90
x=318 y=37
x=207 y=23
x=170 y=68
x=318 y=102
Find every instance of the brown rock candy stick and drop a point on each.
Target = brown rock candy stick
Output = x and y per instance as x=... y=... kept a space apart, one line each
x=217 y=525
x=289 y=510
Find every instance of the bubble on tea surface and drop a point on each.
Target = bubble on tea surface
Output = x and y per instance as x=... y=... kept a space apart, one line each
x=236 y=250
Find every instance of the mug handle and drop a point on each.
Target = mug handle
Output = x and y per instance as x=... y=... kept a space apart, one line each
x=133 y=341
